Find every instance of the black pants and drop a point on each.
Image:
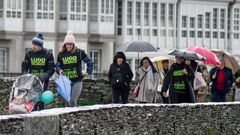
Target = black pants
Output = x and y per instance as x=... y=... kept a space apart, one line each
x=120 y=92
x=45 y=87
x=164 y=99
x=176 y=97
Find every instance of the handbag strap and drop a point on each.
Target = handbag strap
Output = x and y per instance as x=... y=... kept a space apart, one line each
x=142 y=78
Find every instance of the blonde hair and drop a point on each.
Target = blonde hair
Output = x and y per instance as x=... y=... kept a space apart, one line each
x=64 y=49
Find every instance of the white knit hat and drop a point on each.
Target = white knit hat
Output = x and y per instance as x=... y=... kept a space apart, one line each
x=69 y=38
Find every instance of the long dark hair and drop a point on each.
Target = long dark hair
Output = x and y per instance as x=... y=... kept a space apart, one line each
x=150 y=62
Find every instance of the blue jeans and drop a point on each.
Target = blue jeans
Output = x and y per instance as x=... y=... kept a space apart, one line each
x=218 y=96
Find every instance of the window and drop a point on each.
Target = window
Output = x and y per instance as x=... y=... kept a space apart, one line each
x=207 y=20
x=119 y=31
x=78 y=10
x=236 y=36
x=137 y=63
x=184 y=21
x=222 y=34
x=184 y=33
x=163 y=33
x=170 y=15
x=138 y=32
x=207 y=34
x=192 y=22
x=199 y=34
x=63 y=9
x=95 y=56
x=215 y=17
x=200 y=21
x=129 y=13
x=154 y=32
x=119 y=13
x=154 y=14
x=222 y=19
x=146 y=14
x=236 y=19
x=102 y=6
x=146 y=32
x=129 y=61
x=192 y=34
x=170 y=33
x=45 y=9
x=1 y=8
x=3 y=59
x=107 y=6
x=111 y=7
x=129 y=32
x=138 y=13
x=215 y=35
x=29 y=9
x=13 y=8
x=162 y=15
x=93 y=11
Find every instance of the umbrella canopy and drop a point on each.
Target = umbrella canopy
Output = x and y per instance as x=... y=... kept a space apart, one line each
x=158 y=60
x=64 y=87
x=187 y=55
x=229 y=60
x=140 y=46
x=211 y=57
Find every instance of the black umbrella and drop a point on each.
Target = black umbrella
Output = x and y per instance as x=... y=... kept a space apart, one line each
x=187 y=55
x=140 y=46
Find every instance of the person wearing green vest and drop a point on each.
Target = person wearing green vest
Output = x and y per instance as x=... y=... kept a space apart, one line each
x=69 y=63
x=39 y=62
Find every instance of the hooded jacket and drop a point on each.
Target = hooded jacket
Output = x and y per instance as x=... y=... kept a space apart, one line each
x=124 y=69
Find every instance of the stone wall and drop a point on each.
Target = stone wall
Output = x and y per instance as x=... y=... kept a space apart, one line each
x=148 y=119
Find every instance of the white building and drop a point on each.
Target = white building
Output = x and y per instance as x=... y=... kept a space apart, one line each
x=103 y=27
x=91 y=21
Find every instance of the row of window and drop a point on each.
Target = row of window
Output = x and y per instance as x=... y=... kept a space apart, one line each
x=164 y=13
x=192 y=34
x=200 y=18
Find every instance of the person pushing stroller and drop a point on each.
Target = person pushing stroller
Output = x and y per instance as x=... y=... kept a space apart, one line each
x=39 y=62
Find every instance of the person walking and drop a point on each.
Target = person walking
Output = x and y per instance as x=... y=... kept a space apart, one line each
x=162 y=73
x=120 y=76
x=150 y=79
x=177 y=81
x=69 y=63
x=222 y=80
x=39 y=62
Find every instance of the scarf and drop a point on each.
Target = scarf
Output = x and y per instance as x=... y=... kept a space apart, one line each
x=149 y=77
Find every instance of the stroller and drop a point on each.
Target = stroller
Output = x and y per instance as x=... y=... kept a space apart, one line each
x=25 y=94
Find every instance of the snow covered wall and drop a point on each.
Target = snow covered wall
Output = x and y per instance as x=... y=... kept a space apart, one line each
x=115 y=119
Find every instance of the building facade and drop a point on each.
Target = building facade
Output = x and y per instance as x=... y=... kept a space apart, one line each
x=92 y=23
x=103 y=27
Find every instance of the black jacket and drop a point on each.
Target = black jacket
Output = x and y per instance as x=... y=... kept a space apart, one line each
x=39 y=63
x=124 y=69
x=228 y=78
x=71 y=63
x=175 y=75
